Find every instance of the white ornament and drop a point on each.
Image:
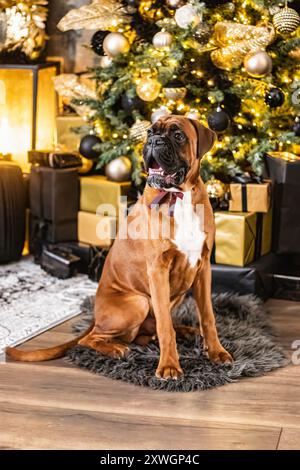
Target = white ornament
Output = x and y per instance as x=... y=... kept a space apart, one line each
x=115 y=44
x=162 y=39
x=159 y=113
x=258 y=64
x=105 y=61
x=187 y=16
x=119 y=169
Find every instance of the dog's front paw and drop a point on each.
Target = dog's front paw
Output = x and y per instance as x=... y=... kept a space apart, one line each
x=219 y=355
x=168 y=372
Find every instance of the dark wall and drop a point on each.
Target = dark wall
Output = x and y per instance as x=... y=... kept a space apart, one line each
x=68 y=45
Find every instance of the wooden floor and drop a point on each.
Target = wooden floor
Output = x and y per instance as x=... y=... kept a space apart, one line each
x=55 y=406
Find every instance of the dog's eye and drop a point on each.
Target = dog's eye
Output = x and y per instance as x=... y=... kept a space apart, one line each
x=149 y=132
x=179 y=136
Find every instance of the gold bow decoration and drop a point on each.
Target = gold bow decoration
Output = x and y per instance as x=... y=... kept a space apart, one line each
x=235 y=40
x=100 y=14
x=22 y=25
x=70 y=86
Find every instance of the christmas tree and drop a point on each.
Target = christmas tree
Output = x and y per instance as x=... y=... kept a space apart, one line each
x=232 y=65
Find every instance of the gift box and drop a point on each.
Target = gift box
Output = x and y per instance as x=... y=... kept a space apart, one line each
x=92 y=258
x=283 y=169
x=54 y=204
x=255 y=279
x=98 y=190
x=54 y=159
x=66 y=137
x=250 y=197
x=242 y=237
x=96 y=229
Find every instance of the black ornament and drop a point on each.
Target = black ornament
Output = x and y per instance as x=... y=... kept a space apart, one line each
x=131 y=104
x=218 y=120
x=86 y=146
x=97 y=42
x=296 y=126
x=274 y=97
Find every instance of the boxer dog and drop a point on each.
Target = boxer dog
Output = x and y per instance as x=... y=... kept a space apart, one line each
x=145 y=277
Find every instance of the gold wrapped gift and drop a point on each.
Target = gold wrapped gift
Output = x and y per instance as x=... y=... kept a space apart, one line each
x=242 y=237
x=98 y=190
x=97 y=230
x=251 y=197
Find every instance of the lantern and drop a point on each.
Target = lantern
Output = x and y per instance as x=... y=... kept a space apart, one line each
x=28 y=108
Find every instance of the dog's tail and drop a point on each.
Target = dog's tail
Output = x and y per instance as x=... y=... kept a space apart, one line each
x=47 y=354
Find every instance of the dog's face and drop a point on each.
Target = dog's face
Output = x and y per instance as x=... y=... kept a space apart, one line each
x=174 y=148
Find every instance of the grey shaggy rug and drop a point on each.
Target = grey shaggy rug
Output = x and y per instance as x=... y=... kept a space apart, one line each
x=243 y=329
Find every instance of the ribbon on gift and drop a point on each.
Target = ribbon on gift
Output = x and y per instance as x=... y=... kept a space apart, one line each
x=243 y=180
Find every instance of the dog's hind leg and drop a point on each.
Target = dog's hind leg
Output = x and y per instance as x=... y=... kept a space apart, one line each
x=118 y=318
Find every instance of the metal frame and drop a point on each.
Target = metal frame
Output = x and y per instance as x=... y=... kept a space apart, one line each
x=35 y=69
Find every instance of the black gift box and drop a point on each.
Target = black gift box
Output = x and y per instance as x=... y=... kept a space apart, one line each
x=59 y=263
x=91 y=257
x=256 y=278
x=285 y=175
x=54 y=204
x=54 y=159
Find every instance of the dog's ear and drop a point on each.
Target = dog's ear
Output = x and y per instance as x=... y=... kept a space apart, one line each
x=205 y=138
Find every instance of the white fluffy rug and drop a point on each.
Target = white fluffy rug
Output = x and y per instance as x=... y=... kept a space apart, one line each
x=32 y=301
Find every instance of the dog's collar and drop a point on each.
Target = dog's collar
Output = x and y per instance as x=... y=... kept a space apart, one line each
x=166 y=196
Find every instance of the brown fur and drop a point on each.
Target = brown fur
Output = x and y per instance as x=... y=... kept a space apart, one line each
x=144 y=279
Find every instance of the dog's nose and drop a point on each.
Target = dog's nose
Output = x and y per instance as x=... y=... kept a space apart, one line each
x=155 y=140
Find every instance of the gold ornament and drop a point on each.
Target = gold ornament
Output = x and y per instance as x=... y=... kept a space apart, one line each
x=148 y=88
x=138 y=132
x=295 y=148
x=286 y=20
x=187 y=16
x=87 y=165
x=162 y=39
x=258 y=64
x=215 y=189
x=105 y=61
x=295 y=53
x=100 y=14
x=159 y=113
x=175 y=93
x=235 y=40
x=115 y=44
x=119 y=169
x=23 y=26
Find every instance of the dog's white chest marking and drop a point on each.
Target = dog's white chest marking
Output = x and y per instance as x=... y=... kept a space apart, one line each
x=189 y=228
